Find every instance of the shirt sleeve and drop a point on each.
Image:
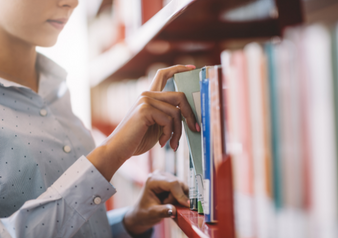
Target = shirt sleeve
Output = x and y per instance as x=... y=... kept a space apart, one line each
x=115 y=219
x=64 y=207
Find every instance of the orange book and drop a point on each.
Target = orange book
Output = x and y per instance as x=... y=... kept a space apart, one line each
x=216 y=115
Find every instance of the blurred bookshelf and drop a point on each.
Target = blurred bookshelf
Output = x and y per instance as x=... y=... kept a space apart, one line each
x=185 y=32
x=193 y=27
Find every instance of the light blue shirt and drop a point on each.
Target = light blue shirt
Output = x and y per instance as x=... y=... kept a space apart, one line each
x=48 y=188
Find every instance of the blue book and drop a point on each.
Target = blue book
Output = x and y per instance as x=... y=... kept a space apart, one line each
x=207 y=152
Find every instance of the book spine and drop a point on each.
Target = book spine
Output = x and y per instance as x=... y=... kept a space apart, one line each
x=207 y=152
x=192 y=186
x=200 y=200
x=274 y=114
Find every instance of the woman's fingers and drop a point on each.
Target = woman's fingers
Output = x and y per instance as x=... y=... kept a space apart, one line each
x=173 y=112
x=163 y=75
x=155 y=116
x=178 y=193
x=163 y=211
x=177 y=99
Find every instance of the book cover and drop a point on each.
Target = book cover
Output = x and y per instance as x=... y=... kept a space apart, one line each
x=188 y=83
x=209 y=168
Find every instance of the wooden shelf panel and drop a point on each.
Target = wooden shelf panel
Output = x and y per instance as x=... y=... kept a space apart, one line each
x=192 y=224
x=178 y=24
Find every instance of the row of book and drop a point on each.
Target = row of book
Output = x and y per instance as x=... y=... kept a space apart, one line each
x=272 y=107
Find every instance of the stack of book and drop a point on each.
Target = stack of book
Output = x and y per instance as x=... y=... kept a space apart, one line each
x=273 y=108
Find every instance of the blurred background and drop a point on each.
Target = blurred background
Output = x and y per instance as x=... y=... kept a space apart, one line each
x=111 y=50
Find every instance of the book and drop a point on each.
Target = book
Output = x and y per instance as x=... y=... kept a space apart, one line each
x=301 y=83
x=334 y=45
x=260 y=150
x=335 y=77
x=216 y=136
x=208 y=155
x=192 y=186
x=323 y=162
x=188 y=83
x=216 y=114
x=274 y=125
x=239 y=140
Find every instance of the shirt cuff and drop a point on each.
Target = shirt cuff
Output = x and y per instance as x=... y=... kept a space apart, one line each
x=83 y=187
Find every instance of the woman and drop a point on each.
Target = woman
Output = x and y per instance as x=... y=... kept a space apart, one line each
x=53 y=182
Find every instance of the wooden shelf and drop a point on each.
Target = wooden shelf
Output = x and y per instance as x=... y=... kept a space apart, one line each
x=188 y=27
x=192 y=224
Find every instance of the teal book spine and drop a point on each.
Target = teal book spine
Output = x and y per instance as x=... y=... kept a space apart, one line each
x=274 y=115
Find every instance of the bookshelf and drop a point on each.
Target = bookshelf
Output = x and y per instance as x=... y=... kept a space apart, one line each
x=197 y=28
x=194 y=27
x=192 y=224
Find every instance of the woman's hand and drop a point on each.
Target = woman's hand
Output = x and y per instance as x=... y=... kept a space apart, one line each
x=159 y=193
x=156 y=116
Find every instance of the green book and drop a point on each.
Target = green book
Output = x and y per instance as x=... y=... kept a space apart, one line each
x=188 y=83
x=192 y=186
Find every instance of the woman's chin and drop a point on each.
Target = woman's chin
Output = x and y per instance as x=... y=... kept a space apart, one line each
x=47 y=42
x=48 y=39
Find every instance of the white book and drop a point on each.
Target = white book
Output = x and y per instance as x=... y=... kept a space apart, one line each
x=321 y=127
x=289 y=95
x=262 y=201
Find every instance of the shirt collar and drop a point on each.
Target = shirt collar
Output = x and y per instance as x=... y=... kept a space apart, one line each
x=45 y=66
x=49 y=67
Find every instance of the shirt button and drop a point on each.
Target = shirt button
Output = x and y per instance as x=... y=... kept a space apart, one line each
x=67 y=148
x=97 y=200
x=43 y=112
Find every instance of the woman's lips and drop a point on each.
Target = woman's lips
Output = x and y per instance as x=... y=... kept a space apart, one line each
x=58 y=23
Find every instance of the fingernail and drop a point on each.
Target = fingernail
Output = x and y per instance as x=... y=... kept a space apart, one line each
x=188 y=202
x=198 y=128
x=190 y=66
x=178 y=144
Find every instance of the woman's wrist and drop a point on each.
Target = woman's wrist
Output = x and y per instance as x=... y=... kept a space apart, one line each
x=105 y=161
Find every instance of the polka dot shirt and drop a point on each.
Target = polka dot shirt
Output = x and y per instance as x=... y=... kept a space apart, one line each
x=47 y=187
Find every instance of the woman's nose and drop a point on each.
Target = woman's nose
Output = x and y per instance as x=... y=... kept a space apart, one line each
x=68 y=3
